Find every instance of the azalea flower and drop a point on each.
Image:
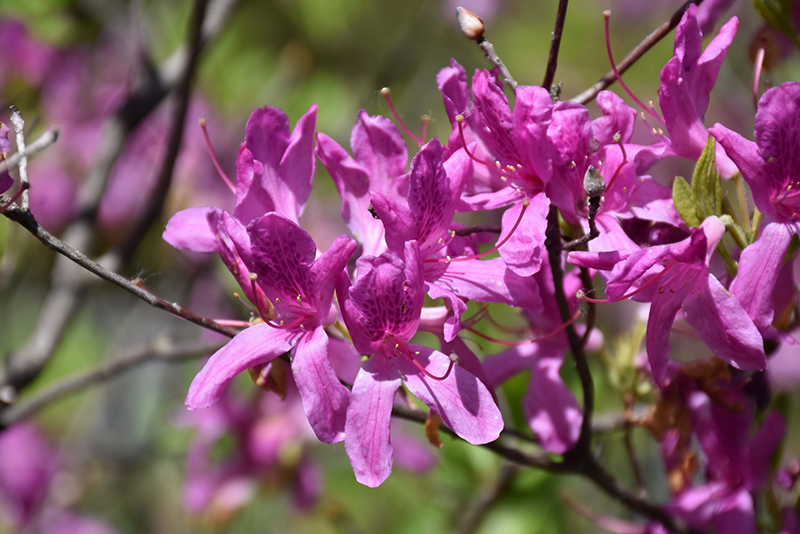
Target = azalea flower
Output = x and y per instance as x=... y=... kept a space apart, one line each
x=378 y=165
x=451 y=269
x=673 y=277
x=686 y=83
x=293 y=293
x=382 y=311
x=771 y=168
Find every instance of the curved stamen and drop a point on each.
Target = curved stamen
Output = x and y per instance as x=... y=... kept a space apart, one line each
x=504 y=171
x=759 y=64
x=233 y=322
x=425 y=120
x=214 y=158
x=448 y=259
x=386 y=92
x=618 y=140
x=403 y=349
x=607 y=16
x=473 y=157
x=582 y=296
x=479 y=316
x=528 y=341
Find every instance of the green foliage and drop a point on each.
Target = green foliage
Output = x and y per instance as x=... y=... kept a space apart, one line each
x=704 y=197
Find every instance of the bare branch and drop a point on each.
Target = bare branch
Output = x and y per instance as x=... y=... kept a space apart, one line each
x=647 y=43
x=26 y=220
x=161 y=349
x=19 y=127
x=44 y=141
x=555 y=44
x=473 y=28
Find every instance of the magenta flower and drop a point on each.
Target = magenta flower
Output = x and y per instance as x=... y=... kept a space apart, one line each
x=434 y=190
x=28 y=465
x=286 y=277
x=686 y=83
x=378 y=165
x=6 y=181
x=677 y=276
x=274 y=172
x=771 y=167
x=382 y=312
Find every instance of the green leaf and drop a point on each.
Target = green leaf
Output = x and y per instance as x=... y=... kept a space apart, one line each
x=683 y=198
x=706 y=184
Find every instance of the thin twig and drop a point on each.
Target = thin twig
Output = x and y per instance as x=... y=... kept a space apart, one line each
x=554 y=249
x=591 y=307
x=19 y=127
x=44 y=141
x=555 y=44
x=26 y=220
x=161 y=349
x=647 y=43
x=491 y=55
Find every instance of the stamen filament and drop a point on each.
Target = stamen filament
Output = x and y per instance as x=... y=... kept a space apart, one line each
x=528 y=341
x=214 y=158
x=386 y=96
x=448 y=259
x=607 y=17
x=624 y=161
x=758 y=66
x=459 y=120
x=401 y=346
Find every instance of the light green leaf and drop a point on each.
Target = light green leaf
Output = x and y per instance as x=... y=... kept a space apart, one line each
x=706 y=185
x=683 y=198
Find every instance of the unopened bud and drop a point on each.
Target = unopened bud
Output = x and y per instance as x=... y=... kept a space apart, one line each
x=593 y=183
x=471 y=24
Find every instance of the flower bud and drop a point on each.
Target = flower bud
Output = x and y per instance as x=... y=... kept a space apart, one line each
x=593 y=183
x=470 y=23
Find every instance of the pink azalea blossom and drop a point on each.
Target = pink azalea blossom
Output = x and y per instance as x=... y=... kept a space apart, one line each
x=382 y=311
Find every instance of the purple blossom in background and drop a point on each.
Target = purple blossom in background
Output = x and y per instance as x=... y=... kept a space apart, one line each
x=28 y=465
x=271 y=440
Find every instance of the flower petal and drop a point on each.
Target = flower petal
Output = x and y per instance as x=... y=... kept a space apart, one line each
x=367 y=439
x=325 y=399
x=189 y=230
x=461 y=400
x=759 y=266
x=258 y=344
x=724 y=325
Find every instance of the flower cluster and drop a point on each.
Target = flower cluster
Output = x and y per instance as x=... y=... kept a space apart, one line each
x=346 y=319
